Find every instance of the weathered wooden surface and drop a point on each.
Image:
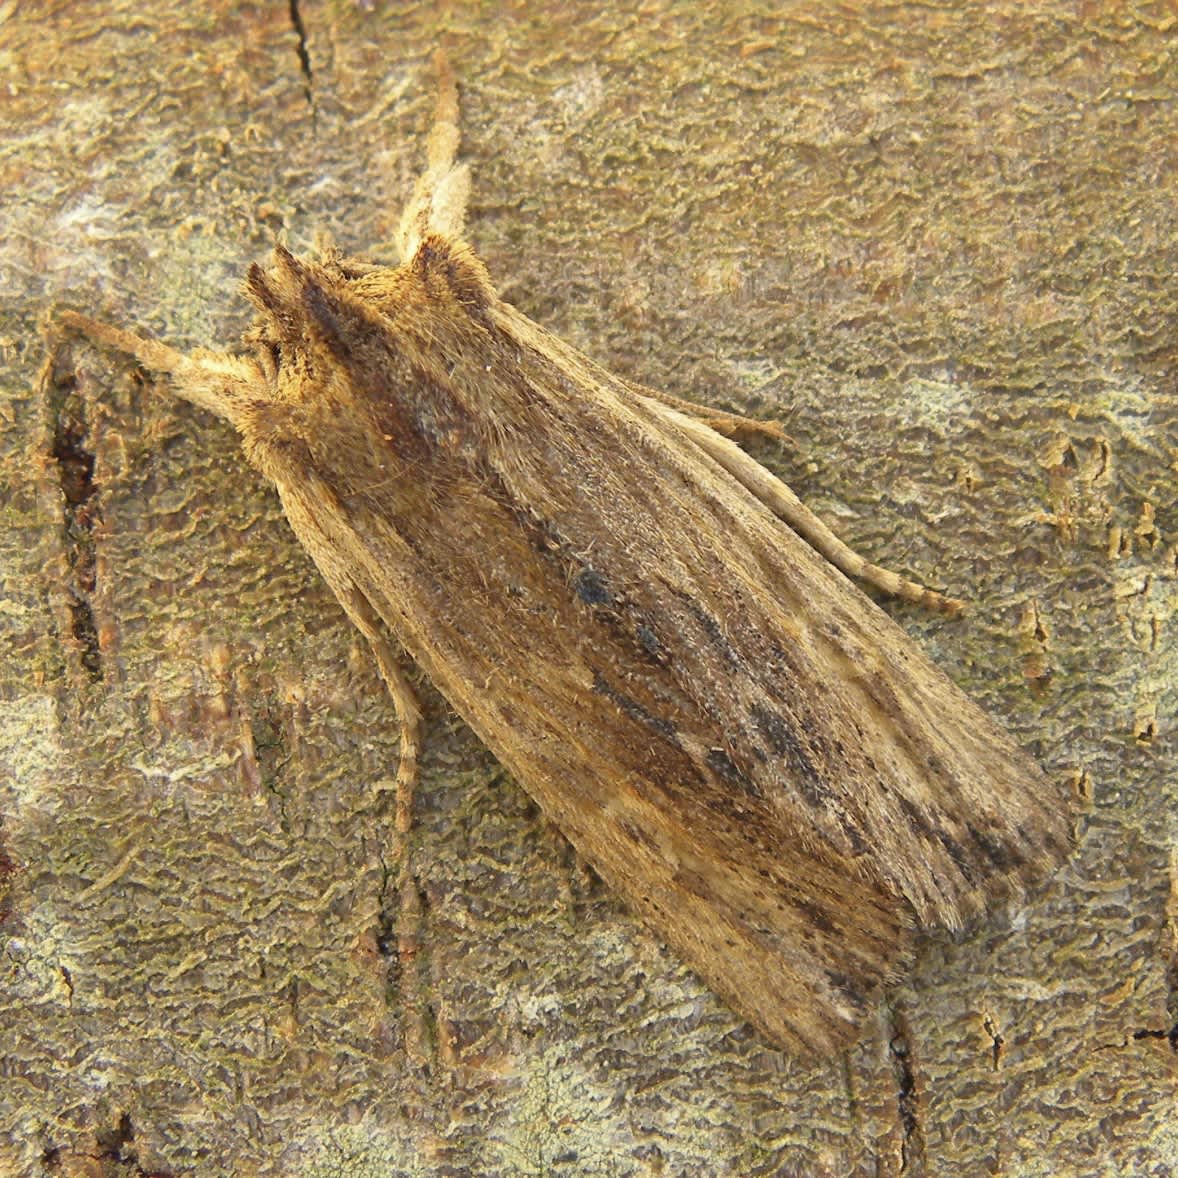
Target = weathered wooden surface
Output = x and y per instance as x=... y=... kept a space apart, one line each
x=940 y=241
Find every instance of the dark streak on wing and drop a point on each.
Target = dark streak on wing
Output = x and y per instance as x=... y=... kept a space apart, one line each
x=784 y=741
x=591 y=587
x=635 y=710
x=711 y=627
x=726 y=768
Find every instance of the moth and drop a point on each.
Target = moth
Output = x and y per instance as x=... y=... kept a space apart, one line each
x=646 y=627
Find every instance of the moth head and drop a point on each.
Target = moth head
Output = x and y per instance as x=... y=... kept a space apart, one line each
x=298 y=332
x=358 y=359
x=314 y=319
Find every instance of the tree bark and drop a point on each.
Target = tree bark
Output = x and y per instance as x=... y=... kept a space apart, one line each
x=939 y=243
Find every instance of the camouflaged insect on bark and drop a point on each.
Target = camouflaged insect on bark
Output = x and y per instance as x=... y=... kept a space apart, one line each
x=643 y=624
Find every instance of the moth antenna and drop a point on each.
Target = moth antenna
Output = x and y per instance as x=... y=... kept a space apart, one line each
x=216 y=381
x=731 y=425
x=153 y=355
x=786 y=505
x=439 y=200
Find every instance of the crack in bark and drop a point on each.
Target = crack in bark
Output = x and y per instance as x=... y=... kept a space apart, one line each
x=912 y=1148
x=75 y=472
x=7 y=872
x=296 y=20
x=269 y=755
x=112 y=1141
x=1170 y=1035
x=997 y=1040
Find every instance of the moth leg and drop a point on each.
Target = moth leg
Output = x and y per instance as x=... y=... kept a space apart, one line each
x=408 y=710
x=438 y=203
x=409 y=904
x=731 y=425
x=784 y=504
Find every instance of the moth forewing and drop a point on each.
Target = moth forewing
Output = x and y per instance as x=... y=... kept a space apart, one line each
x=746 y=748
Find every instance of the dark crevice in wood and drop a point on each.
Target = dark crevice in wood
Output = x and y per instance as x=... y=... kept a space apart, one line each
x=1170 y=1035
x=386 y=923
x=111 y=1142
x=296 y=19
x=75 y=470
x=912 y=1148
